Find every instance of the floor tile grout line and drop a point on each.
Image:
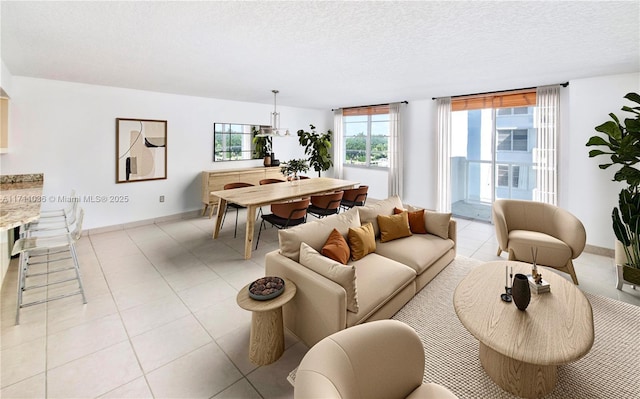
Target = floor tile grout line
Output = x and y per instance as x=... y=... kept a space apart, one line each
x=191 y=312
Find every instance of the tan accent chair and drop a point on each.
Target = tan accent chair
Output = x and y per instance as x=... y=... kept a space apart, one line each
x=558 y=235
x=377 y=360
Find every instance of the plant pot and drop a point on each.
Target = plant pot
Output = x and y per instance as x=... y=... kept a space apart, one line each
x=295 y=179
x=520 y=291
x=631 y=274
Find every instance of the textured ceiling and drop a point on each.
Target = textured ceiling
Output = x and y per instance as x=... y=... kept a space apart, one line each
x=320 y=54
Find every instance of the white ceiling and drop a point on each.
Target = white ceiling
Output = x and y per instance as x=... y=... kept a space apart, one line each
x=320 y=54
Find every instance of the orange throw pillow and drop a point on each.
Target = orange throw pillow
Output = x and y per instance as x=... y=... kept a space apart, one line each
x=336 y=248
x=393 y=226
x=416 y=221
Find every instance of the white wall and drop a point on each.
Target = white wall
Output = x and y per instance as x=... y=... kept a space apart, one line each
x=67 y=131
x=6 y=79
x=585 y=190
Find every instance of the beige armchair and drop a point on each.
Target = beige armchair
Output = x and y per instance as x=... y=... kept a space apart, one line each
x=377 y=360
x=558 y=235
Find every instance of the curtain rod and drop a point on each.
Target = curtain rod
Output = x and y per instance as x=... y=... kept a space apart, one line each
x=372 y=105
x=565 y=84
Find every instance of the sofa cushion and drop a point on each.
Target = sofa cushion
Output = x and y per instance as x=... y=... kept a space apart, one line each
x=379 y=279
x=418 y=251
x=551 y=251
x=344 y=275
x=336 y=248
x=437 y=223
x=361 y=241
x=416 y=220
x=369 y=213
x=393 y=227
x=315 y=233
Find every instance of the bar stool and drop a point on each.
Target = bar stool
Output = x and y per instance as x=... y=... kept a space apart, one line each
x=52 y=225
x=47 y=246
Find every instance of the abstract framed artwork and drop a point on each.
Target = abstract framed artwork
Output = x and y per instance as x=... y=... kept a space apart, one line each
x=141 y=150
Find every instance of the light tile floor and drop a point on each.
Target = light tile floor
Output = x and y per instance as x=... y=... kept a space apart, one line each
x=162 y=321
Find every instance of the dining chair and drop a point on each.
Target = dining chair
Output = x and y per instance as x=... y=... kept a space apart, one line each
x=231 y=186
x=47 y=250
x=354 y=197
x=270 y=181
x=325 y=204
x=285 y=214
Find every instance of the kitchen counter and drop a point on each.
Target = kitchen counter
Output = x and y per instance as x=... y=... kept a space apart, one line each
x=20 y=199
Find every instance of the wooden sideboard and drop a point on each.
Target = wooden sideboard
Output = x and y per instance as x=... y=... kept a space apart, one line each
x=214 y=180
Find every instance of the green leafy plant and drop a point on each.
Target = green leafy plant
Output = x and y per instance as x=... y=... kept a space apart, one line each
x=262 y=144
x=622 y=144
x=294 y=166
x=317 y=146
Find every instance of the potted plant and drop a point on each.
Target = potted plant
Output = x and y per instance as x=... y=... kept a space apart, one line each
x=293 y=167
x=622 y=145
x=317 y=146
x=262 y=146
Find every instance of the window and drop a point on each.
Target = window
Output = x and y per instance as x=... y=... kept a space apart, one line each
x=512 y=140
x=366 y=135
x=503 y=175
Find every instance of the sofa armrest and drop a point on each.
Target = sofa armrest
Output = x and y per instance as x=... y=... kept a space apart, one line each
x=453 y=232
x=319 y=307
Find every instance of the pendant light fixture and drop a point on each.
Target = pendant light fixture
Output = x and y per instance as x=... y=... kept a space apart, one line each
x=274 y=129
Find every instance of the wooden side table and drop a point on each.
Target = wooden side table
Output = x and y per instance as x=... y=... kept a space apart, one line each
x=267 y=330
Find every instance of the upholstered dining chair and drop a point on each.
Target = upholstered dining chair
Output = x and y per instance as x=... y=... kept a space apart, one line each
x=285 y=214
x=376 y=360
x=528 y=228
x=231 y=186
x=325 y=204
x=270 y=181
x=354 y=197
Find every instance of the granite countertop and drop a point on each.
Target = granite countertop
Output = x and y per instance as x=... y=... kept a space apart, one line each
x=20 y=199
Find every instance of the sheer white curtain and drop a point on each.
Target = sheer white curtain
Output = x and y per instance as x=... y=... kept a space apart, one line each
x=395 y=149
x=444 y=154
x=545 y=156
x=338 y=144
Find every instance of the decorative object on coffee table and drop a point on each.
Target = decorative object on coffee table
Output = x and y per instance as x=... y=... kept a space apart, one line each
x=267 y=331
x=520 y=291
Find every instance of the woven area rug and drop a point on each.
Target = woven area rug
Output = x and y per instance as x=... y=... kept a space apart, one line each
x=610 y=370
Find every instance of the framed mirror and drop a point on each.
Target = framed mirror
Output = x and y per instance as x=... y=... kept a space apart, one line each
x=235 y=142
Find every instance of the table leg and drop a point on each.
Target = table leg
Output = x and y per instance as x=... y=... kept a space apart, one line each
x=251 y=223
x=522 y=379
x=222 y=204
x=267 y=337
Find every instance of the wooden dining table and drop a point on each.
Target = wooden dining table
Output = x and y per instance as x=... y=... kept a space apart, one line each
x=256 y=196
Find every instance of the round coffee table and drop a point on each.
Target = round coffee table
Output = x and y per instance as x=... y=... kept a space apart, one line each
x=520 y=350
x=267 y=331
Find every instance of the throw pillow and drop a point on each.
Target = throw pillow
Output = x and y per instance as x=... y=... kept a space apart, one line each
x=416 y=220
x=437 y=223
x=336 y=248
x=362 y=241
x=394 y=226
x=370 y=212
x=345 y=276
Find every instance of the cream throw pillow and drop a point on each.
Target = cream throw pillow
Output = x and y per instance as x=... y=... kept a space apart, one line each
x=345 y=275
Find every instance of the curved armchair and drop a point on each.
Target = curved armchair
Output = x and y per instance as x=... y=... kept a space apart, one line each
x=558 y=235
x=377 y=360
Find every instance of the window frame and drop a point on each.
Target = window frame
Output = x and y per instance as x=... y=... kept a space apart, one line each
x=370 y=112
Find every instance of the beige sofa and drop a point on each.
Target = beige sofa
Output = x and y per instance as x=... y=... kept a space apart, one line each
x=384 y=281
x=557 y=235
